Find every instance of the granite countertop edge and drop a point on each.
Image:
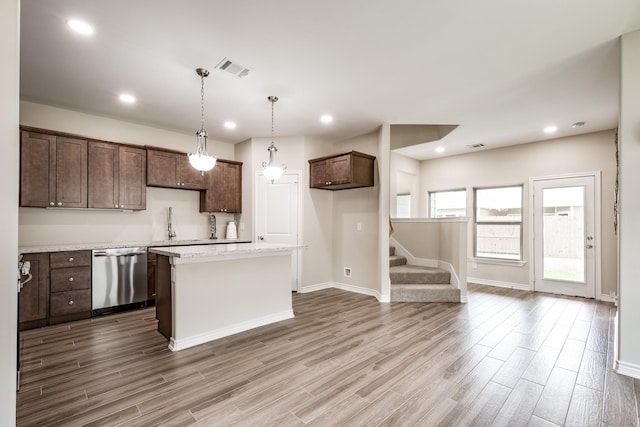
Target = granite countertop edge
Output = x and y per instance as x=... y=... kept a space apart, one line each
x=192 y=252
x=117 y=245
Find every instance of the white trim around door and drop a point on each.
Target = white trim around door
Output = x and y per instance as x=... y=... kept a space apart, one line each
x=260 y=182
x=589 y=285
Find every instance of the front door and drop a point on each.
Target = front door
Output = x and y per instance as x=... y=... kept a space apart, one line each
x=277 y=215
x=565 y=235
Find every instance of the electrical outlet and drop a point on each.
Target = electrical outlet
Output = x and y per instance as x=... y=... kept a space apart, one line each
x=359 y=226
x=474 y=265
x=347 y=272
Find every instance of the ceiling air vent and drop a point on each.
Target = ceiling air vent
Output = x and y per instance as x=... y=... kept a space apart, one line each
x=475 y=146
x=232 y=67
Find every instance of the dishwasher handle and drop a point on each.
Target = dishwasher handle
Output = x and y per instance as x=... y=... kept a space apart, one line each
x=117 y=254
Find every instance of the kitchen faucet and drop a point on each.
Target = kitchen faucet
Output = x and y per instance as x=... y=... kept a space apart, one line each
x=172 y=233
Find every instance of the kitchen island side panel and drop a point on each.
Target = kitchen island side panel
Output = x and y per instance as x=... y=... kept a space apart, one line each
x=214 y=299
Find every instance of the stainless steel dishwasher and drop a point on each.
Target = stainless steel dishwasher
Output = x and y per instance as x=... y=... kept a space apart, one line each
x=119 y=280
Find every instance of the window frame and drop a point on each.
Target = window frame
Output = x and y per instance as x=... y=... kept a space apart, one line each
x=429 y=203
x=476 y=223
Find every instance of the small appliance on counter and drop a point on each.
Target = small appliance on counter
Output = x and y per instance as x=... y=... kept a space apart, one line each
x=232 y=231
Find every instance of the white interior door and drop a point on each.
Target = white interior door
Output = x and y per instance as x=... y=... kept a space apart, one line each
x=277 y=215
x=565 y=235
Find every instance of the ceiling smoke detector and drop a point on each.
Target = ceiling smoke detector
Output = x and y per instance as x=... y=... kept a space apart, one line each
x=232 y=67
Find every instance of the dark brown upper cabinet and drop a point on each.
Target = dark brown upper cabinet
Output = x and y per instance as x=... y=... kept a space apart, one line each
x=342 y=171
x=223 y=191
x=117 y=176
x=171 y=169
x=53 y=171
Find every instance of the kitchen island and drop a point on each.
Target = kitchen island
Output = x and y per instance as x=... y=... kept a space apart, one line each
x=208 y=292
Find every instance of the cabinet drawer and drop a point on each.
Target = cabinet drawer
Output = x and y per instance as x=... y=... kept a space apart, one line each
x=70 y=279
x=70 y=302
x=70 y=259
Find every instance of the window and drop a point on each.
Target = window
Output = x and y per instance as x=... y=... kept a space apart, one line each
x=403 y=206
x=498 y=216
x=443 y=204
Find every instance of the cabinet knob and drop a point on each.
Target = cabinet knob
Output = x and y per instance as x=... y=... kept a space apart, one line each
x=51 y=204
x=116 y=206
x=71 y=302
x=71 y=279
x=71 y=259
x=59 y=203
x=178 y=184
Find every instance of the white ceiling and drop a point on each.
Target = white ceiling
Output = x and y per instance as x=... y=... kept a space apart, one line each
x=500 y=69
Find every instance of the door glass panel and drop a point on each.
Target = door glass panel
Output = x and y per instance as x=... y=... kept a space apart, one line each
x=563 y=235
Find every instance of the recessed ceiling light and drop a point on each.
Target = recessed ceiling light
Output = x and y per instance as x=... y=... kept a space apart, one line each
x=230 y=125
x=440 y=150
x=550 y=129
x=577 y=124
x=125 y=97
x=326 y=118
x=80 y=27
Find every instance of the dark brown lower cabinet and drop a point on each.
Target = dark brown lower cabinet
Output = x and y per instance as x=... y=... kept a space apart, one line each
x=34 y=295
x=60 y=290
x=163 y=296
x=151 y=277
x=70 y=286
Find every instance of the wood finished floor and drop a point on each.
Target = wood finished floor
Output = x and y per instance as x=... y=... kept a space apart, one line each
x=507 y=358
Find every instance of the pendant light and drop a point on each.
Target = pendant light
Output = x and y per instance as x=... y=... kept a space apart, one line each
x=271 y=170
x=200 y=159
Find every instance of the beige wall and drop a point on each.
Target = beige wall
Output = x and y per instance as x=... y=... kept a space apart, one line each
x=318 y=222
x=516 y=165
x=51 y=226
x=629 y=315
x=405 y=179
x=9 y=165
x=353 y=248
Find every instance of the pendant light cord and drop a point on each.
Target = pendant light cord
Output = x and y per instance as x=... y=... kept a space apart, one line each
x=272 y=121
x=202 y=103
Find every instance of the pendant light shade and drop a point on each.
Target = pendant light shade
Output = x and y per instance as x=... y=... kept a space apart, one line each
x=271 y=170
x=200 y=159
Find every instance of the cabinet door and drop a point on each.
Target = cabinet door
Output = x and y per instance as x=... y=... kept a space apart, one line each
x=189 y=177
x=223 y=192
x=34 y=295
x=71 y=173
x=318 y=173
x=103 y=175
x=162 y=169
x=212 y=199
x=132 y=178
x=37 y=169
x=340 y=169
x=233 y=187
x=151 y=276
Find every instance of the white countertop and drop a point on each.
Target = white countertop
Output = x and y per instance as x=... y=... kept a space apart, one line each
x=213 y=251
x=115 y=245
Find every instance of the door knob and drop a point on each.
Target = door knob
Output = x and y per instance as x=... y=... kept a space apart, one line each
x=260 y=237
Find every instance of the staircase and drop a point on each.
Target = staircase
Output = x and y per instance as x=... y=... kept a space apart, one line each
x=419 y=284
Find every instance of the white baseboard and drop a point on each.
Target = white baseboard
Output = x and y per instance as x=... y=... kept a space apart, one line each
x=628 y=369
x=508 y=285
x=316 y=287
x=345 y=287
x=181 y=344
